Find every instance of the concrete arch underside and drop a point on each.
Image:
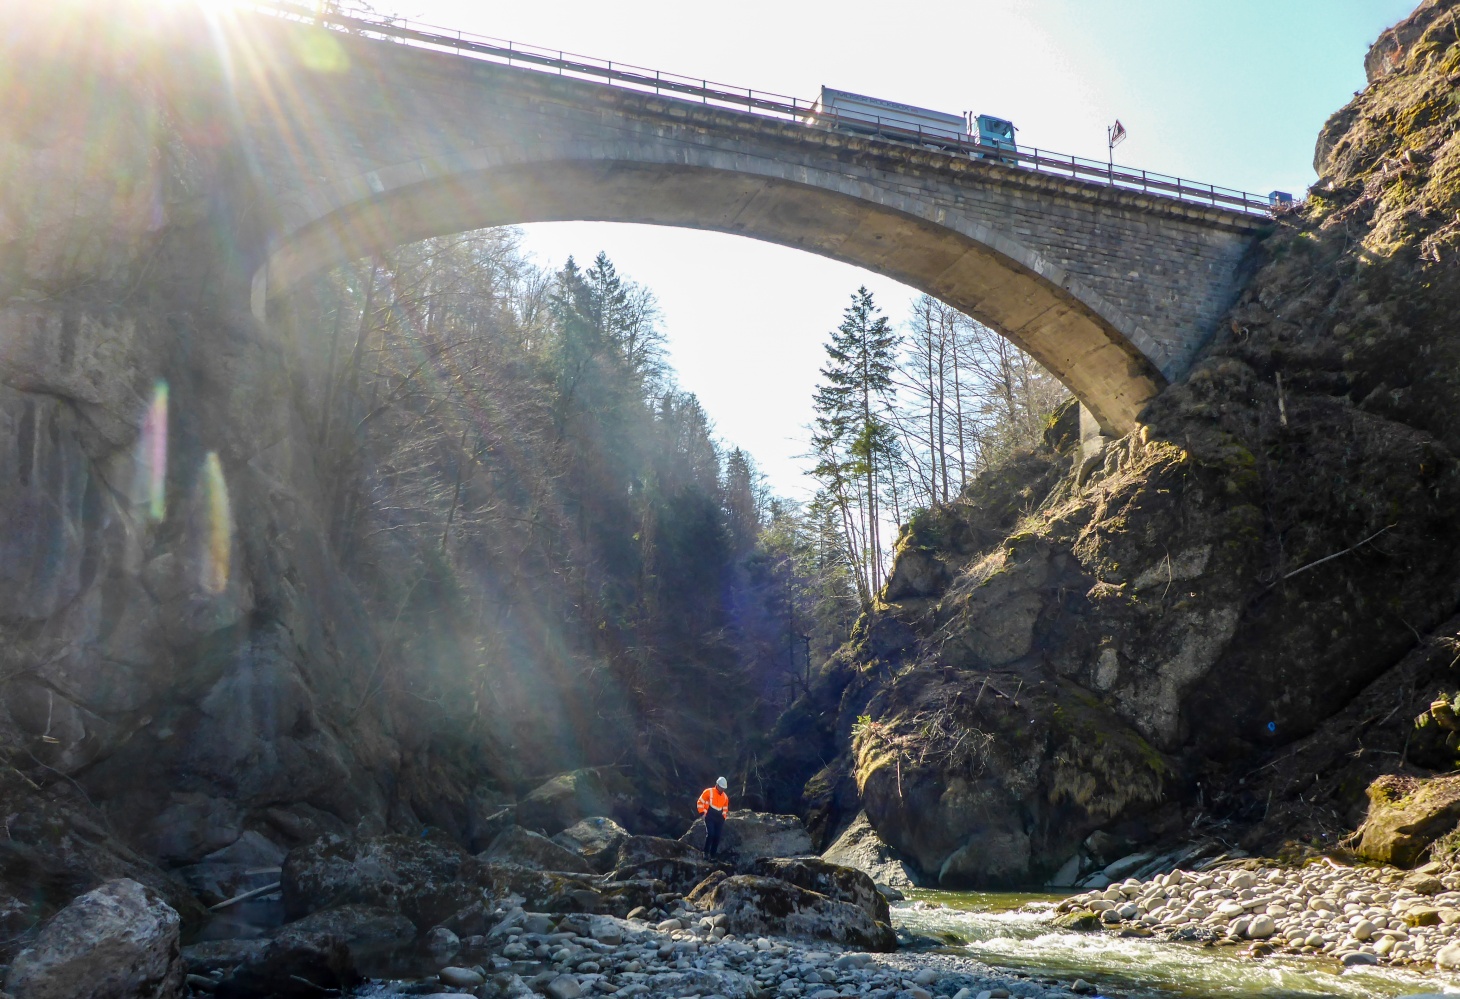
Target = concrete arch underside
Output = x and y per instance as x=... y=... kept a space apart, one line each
x=1098 y=353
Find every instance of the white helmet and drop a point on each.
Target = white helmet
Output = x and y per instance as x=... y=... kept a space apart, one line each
x=720 y=783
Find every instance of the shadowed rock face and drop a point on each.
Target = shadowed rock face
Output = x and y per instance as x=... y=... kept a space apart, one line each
x=1078 y=646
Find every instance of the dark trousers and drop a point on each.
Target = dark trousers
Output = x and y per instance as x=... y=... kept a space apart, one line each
x=714 y=825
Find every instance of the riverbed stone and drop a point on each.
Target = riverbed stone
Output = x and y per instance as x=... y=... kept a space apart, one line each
x=1406 y=815
x=859 y=846
x=749 y=835
x=757 y=905
x=596 y=839
x=461 y=978
x=119 y=941
x=516 y=845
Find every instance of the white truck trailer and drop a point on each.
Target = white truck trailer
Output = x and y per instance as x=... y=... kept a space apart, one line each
x=875 y=116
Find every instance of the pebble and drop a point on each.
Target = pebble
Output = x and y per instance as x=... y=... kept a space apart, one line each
x=462 y=978
x=1358 y=915
x=534 y=956
x=563 y=987
x=441 y=942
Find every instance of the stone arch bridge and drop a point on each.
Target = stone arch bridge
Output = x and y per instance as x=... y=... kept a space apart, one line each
x=361 y=143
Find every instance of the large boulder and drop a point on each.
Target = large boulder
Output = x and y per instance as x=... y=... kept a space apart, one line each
x=117 y=942
x=677 y=874
x=859 y=846
x=1406 y=815
x=646 y=849
x=959 y=804
x=596 y=839
x=218 y=958
x=756 y=834
x=424 y=879
x=515 y=845
x=569 y=797
x=357 y=925
x=844 y=884
x=541 y=891
x=758 y=905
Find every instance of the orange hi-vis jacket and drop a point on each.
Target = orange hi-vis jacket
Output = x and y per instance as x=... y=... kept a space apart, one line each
x=716 y=799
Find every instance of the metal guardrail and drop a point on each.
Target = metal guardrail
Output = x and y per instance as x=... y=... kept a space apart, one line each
x=760 y=102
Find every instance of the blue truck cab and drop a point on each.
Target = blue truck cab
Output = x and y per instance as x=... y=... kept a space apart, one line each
x=994 y=132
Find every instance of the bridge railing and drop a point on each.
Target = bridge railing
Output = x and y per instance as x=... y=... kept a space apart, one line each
x=760 y=102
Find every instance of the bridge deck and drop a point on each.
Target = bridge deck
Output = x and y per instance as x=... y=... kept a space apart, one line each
x=758 y=102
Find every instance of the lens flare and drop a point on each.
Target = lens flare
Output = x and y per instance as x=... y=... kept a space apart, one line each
x=218 y=529
x=150 y=458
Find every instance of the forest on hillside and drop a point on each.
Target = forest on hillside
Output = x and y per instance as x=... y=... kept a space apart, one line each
x=565 y=559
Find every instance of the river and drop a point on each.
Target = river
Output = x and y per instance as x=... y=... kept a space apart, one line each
x=997 y=929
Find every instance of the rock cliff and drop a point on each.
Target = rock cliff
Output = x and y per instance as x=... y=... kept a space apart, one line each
x=1088 y=651
x=192 y=678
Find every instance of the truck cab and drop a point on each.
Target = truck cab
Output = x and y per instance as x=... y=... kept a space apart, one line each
x=996 y=133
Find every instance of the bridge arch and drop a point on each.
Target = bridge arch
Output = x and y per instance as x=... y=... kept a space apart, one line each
x=1100 y=354
x=1113 y=290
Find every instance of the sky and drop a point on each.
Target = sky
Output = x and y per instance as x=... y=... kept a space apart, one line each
x=1229 y=92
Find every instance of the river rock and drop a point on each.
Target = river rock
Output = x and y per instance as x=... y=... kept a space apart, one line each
x=845 y=884
x=570 y=797
x=442 y=941
x=221 y=956
x=759 y=905
x=516 y=845
x=643 y=849
x=859 y=846
x=1406 y=815
x=563 y=987
x=541 y=891
x=678 y=875
x=1082 y=920
x=460 y=978
x=424 y=879
x=117 y=942
x=251 y=849
x=194 y=826
x=294 y=963
x=756 y=834
x=1324 y=908
x=596 y=839
x=365 y=925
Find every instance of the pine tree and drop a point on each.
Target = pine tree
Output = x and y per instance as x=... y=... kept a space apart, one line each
x=853 y=441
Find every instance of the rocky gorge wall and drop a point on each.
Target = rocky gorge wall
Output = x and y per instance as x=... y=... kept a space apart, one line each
x=1088 y=652
x=183 y=662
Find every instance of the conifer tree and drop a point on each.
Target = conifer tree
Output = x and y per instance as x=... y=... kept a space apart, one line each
x=853 y=441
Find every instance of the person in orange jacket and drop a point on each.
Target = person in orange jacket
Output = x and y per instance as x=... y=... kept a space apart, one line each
x=714 y=805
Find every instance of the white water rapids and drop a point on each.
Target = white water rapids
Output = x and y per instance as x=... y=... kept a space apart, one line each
x=993 y=928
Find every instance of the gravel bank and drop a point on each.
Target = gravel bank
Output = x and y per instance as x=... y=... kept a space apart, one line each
x=1358 y=915
x=577 y=957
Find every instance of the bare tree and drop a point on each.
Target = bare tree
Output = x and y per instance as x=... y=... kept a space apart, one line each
x=966 y=398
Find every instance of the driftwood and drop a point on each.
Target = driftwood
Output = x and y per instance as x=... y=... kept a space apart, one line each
x=254 y=893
